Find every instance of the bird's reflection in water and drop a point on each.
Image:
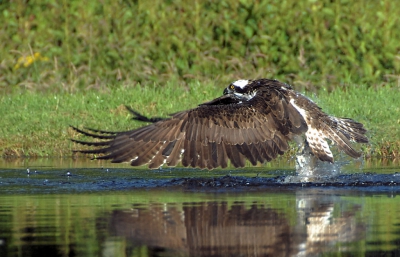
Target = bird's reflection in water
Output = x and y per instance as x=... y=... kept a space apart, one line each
x=240 y=229
x=321 y=224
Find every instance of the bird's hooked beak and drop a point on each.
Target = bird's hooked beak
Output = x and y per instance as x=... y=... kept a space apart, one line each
x=227 y=91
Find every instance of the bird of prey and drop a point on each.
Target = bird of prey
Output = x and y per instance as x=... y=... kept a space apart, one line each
x=253 y=120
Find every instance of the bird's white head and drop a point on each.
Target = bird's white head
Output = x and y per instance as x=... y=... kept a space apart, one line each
x=240 y=89
x=242 y=83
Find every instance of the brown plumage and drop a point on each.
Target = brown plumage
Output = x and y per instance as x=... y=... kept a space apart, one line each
x=254 y=120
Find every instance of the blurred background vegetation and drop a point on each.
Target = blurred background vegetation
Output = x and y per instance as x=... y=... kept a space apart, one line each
x=78 y=45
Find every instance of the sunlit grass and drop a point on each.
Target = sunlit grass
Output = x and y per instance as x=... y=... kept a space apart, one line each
x=37 y=124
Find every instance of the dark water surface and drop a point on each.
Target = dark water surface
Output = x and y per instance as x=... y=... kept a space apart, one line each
x=90 y=208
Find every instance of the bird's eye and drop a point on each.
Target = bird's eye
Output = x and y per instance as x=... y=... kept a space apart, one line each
x=232 y=87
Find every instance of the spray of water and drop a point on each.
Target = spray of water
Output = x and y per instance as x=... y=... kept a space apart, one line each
x=311 y=169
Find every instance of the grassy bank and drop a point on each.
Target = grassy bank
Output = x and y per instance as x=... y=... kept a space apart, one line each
x=36 y=124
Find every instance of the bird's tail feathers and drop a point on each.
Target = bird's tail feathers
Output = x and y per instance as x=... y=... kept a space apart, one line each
x=342 y=142
x=345 y=132
x=354 y=131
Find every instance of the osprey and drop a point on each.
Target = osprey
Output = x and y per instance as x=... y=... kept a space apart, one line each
x=253 y=120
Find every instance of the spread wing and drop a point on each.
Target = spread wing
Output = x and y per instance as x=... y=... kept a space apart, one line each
x=207 y=137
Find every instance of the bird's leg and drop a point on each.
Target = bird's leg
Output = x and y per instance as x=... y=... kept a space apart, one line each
x=305 y=159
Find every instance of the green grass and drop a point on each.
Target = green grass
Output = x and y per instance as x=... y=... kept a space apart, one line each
x=37 y=124
x=92 y=44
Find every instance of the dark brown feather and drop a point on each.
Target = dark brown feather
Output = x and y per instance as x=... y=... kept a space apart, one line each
x=221 y=156
x=175 y=156
x=99 y=136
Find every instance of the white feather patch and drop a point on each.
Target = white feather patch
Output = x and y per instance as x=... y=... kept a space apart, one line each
x=315 y=138
x=247 y=97
x=241 y=83
x=299 y=109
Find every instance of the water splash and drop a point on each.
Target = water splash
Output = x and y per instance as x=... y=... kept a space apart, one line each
x=310 y=169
